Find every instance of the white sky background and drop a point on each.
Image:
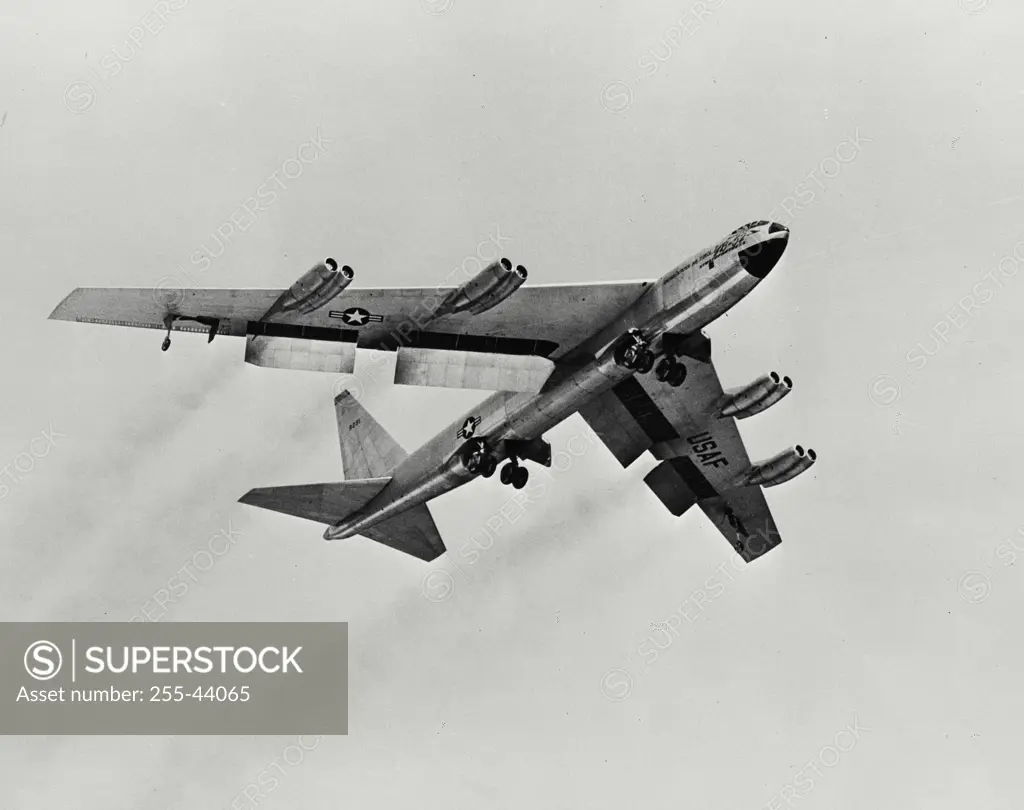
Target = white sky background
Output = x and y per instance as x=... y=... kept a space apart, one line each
x=442 y=127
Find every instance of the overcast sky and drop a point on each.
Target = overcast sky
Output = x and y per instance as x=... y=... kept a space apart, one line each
x=605 y=142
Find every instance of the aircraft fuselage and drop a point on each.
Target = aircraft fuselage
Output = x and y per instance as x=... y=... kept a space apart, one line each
x=685 y=300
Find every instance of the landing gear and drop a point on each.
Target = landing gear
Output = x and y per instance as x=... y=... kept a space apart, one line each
x=670 y=371
x=522 y=475
x=480 y=460
x=166 y=344
x=490 y=464
x=644 y=362
x=512 y=473
x=633 y=353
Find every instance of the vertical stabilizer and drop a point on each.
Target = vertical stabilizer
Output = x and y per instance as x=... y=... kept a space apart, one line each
x=367 y=450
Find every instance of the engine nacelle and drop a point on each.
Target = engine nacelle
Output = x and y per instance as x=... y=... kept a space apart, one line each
x=485 y=290
x=314 y=288
x=760 y=395
x=781 y=468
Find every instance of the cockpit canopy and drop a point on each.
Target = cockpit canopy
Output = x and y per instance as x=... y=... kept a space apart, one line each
x=750 y=226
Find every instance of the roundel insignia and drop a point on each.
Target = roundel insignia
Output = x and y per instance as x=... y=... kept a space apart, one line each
x=356 y=316
x=469 y=427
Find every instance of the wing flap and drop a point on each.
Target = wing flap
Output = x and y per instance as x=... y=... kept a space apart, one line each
x=611 y=420
x=442 y=368
x=671 y=489
x=300 y=354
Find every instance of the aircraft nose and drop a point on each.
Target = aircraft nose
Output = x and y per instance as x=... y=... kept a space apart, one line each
x=759 y=259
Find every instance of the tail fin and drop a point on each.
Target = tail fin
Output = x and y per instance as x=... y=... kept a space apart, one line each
x=367 y=450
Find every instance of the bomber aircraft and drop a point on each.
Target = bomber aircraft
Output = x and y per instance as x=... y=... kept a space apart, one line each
x=629 y=357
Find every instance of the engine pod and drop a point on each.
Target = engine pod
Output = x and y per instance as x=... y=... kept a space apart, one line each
x=316 y=287
x=781 y=468
x=484 y=291
x=760 y=395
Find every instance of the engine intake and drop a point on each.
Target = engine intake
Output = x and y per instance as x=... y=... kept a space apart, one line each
x=484 y=291
x=760 y=395
x=322 y=283
x=781 y=468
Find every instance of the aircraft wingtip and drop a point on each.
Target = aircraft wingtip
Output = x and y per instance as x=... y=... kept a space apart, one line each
x=251 y=497
x=63 y=312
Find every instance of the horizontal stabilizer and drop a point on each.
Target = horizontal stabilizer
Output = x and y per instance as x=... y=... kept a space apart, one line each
x=413 y=532
x=324 y=503
x=448 y=368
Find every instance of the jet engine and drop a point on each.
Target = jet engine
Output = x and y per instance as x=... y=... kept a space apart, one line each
x=485 y=290
x=760 y=395
x=781 y=468
x=313 y=289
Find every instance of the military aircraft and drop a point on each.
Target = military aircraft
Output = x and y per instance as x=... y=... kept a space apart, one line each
x=630 y=357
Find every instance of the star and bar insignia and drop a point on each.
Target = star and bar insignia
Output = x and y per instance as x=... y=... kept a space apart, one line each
x=469 y=428
x=356 y=316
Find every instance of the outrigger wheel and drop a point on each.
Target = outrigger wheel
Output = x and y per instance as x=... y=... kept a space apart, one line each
x=169 y=320
x=213 y=324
